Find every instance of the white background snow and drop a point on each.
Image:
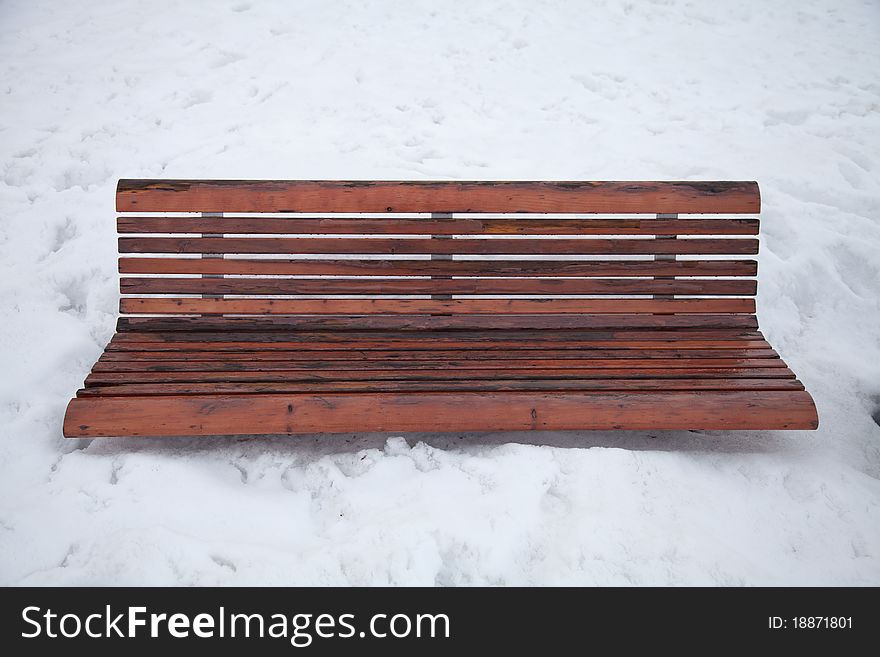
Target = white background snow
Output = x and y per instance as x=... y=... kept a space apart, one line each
x=786 y=93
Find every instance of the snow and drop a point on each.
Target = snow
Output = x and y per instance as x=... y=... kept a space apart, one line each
x=784 y=93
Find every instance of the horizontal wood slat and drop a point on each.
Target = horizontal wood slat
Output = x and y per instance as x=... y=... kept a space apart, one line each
x=425 y=226
x=509 y=411
x=501 y=268
x=606 y=327
x=233 y=346
x=205 y=329
x=498 y=322
x=97 y=378
x=226 y=347
x=620 y=329
x=421 y=246
x=328 y=196
x=386 y=355
x=432 y=306
x=632 y=385
x=544 y=286
x=434 y=364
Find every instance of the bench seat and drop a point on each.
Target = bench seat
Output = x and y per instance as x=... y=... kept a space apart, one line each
x=226 y=352
x=187 y=382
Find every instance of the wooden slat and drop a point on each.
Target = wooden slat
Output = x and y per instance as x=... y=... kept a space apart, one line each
x=96 y=378
x=535 y=338
x=520 y=268
x=496 y=322
x=436 y=196
x=210 y=332
x=414 y=345
x=420 y=246
x=346 y=355
x=429 y=306
x=593 y=326
x=544 y=286
x=424 y=226
x=509 y=411
x=414 y=366
x=493 y=385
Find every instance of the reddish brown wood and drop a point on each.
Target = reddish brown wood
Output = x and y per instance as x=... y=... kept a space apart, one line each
x=610 y=322
x=622 y=327
x=494 y=385
x=510 y=411
x=624 y=372
x=422 y=246
x=426 y=226
x=172 y=347
x=429 y=306
x=280 y=365
x=210 y=336
x=354 y=353
x=281 y=267
x=454 y=365
x=545 y=286
x=331 y=196
x=535 y=338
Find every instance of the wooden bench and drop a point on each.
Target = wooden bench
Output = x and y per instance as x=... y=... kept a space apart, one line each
x=332 y=306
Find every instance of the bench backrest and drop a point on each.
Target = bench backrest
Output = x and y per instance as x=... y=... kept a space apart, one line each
x=372 y=254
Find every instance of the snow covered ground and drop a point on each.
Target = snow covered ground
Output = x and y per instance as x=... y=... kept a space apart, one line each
x=787 y=93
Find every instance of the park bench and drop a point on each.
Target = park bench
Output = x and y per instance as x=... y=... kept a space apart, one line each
x=284 y=307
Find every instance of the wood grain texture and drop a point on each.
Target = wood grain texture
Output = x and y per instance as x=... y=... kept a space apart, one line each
x=434 y=364
x=427 y=246
x=607 y=327
x=377 y=267
x=357 y=355
x=622 y=372
x=428 y=411
x=427 y=226
x=205 y=331
x=493 y=385
x=413 y=345
x=182 y=306
x=208 y=330
x=376 y=286
x=330 y=196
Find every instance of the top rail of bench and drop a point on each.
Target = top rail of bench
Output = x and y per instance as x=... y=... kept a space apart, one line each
x=354 y=196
